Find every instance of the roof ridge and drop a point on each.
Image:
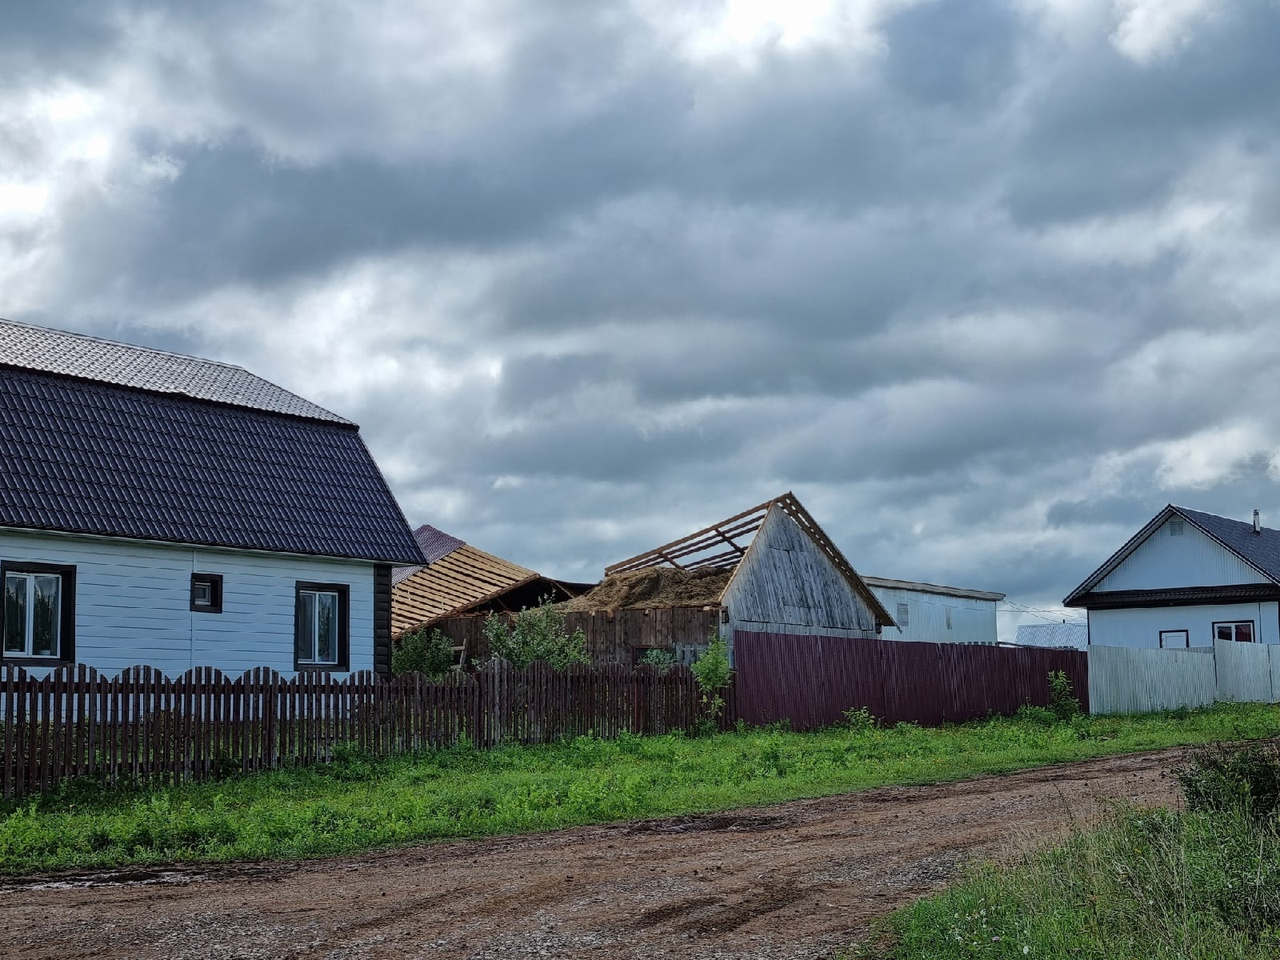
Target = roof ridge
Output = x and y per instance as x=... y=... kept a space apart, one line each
x=85 y=356
x=132 y=346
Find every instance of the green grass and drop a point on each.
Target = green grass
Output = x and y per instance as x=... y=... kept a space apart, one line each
x=1155 y=885
x=361 y=803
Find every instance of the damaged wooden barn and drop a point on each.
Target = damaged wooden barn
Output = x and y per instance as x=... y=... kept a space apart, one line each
x=769 y=569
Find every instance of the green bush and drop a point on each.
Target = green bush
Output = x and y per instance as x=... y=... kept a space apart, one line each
x=1061 y=703
x=430 y=654
x=660 y=658
x=1222 y=779
x=711 y=671
x=861 y=720
x=536 y=634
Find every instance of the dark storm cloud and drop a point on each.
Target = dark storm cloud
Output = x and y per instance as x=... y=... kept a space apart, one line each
x=980 y=288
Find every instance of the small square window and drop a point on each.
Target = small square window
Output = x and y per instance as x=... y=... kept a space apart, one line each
x=206 y=592
x=1175 y=639
x=1177 y=528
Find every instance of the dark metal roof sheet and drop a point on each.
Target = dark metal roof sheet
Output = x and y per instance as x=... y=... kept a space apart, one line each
x=1261 y=550
x=434 y=544
x=96 y=458
x=106 y=361
x=1178 y=596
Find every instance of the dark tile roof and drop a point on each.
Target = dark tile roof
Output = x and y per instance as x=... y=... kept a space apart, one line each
x=91 y=358
x=1262 y=549
x=98 y=458
x=434 y=544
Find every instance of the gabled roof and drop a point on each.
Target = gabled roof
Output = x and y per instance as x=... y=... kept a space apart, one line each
x=1259 y=550
x=101 y=458
x=156 y=371
x=724 y=544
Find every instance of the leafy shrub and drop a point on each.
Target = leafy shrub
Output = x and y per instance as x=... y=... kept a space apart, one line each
x=711 y=671
x=660 y=658
x=1061 y=703
x=430 y=654
x=536 y=634
x=861 y=720
x=1222 y=779
x=1042 y=716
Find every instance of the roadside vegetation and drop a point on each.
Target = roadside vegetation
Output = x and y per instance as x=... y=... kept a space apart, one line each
x=1199 y=884
x=360 y=802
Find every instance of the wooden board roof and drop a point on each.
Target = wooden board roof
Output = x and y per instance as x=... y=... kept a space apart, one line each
x=724 y=544
x=458 y=581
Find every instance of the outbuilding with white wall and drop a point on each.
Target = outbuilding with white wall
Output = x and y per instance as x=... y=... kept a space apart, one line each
x=932 y=613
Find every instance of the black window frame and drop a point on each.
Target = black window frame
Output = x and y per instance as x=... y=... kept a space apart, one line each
x=1253 y=630
x=343 y=591
x=66 y=613
x=215 y=591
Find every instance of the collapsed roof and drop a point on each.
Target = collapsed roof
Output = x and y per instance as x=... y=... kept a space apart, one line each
x=459 y=579
x=718 y=548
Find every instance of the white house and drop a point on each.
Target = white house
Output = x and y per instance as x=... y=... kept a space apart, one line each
x=169 y=511
x=1184 y=580
x=936 y=614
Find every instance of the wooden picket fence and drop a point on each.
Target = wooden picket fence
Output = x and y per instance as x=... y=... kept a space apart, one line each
x=141 y=726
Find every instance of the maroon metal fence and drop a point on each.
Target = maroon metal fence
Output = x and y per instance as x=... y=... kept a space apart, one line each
x=141 y=725
x=811 y=681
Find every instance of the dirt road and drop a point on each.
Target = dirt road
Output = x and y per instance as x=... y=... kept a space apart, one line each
x=796 y=880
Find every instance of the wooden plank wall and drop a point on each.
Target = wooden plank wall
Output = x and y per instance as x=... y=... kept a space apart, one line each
x=811 y=681
x=142 y=726
x=785 y=578
x=612 y=636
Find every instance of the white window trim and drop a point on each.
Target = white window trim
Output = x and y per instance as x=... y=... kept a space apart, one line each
x=29 y=627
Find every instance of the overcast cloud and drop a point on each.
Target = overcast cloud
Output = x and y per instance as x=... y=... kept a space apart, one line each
x=985 y=283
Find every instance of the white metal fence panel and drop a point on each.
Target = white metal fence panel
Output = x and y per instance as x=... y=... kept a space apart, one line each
x=1244 y=672
x=1273 y=651
x=1131 y=680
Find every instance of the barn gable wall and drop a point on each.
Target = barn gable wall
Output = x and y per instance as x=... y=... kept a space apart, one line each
x=785 y=581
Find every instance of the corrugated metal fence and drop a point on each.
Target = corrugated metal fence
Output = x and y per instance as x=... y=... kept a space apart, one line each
x=811 y=681
x=1129 y=680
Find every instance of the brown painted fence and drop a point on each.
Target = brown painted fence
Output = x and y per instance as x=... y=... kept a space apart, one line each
x=811 y=681
x=141 y=725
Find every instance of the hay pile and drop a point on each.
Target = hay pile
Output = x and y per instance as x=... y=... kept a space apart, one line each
x=655 y=587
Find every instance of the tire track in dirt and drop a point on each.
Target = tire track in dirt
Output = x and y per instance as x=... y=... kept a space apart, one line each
x=794 y=880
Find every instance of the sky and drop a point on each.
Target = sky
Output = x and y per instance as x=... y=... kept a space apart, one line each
x=985 y=283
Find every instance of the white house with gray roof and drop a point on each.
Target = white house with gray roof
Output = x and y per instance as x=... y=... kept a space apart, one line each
x=1185 y=579
x=175 y=512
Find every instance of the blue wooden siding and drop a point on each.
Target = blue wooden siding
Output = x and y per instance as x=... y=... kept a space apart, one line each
x=133 y=602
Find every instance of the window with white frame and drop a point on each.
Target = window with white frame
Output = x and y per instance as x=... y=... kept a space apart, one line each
x=39 y=612
x=1241 y=631
x=1175 y=639
x=904 y=615
x=321 y=626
